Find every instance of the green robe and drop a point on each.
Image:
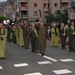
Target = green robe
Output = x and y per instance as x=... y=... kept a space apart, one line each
x=54 y=39
x=2 y=43
x=17 y=36
x=21 y=42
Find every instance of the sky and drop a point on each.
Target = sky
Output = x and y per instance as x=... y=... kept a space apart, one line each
x=2 y=0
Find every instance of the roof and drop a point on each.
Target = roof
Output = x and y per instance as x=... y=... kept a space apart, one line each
x=2 y=3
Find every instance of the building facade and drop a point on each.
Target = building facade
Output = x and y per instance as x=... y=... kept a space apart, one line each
x=29 y=9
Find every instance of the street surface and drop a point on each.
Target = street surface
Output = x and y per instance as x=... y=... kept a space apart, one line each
x=21 y=61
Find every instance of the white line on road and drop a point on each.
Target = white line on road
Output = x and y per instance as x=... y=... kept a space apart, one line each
x=21 y=65
x=1 y=67
x=54 y=60
x=37 y=73
x=67 y=60
x=44 y=62
x=64 y=71
x=49 y=58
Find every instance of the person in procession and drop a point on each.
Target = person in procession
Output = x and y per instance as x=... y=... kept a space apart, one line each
x=34 y=38
x=63 y=35
x=55 y=34
x=42 y=37
x=72 y=37
x=17 y=35
x=26 y=30
x=21 y=42
x=3 y=35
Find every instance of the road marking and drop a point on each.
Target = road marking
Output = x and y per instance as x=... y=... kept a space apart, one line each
x=1 y=67
x=54 y=60
x=21 y=65
x=49 y=58
x=44 y=62
x=37 y=73
x=66 y=60
x=64 y=71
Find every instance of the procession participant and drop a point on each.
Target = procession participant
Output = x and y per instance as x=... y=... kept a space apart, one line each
x=55 y=34
x=3 y=35
x=72 y=37
x=63 y=35
x=9 y=35
x=42 y=37
x=26 y=30
x=17 y=35
x=21 y=42
x=49 y=31
x=34 y=38
x=14 y=34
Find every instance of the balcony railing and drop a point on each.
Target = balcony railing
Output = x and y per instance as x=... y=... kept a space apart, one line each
x=22 y=7
x=64 y=1
x=24 y=16
x=73 y=4
x=22 y=0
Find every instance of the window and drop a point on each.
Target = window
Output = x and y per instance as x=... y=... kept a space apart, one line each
x=35 y=13
x=24 y=4
x=48 y=5
x=45 y=13
x=55 y=4
x=44 y=5
x=35 y=4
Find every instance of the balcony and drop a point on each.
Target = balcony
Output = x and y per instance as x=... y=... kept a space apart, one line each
x=22 y=0
x=24 y=16
x=64 y=1
x=73 y=4
x=23 y=8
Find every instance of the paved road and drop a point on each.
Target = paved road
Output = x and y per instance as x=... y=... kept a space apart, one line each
x=20 y=61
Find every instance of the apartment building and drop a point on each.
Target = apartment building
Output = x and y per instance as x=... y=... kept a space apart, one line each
x=29 y=9
x=71 y=9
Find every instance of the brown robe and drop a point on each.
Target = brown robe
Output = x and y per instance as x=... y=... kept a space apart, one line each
x=25 y=34
x=42 y=35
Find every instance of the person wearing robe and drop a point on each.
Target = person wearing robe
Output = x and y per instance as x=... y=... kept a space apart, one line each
x=17 y=35
x=3 y=36
x=55 y=34
x=42 y=37
x=21 y=42
x=34 y=38
x=63 y=35
x=9 y=35
x=26 y=30
x=72 y=37
x=14 y=35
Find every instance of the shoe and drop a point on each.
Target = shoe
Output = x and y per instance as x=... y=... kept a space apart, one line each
x=2 y=58
x=42 y=54
x=26 y=48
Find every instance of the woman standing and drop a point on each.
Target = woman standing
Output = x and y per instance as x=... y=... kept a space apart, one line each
x=34 y=38
x=54 y=39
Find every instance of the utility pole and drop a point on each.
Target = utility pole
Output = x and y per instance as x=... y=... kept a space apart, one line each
x=61 y=9
x=49 y=11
